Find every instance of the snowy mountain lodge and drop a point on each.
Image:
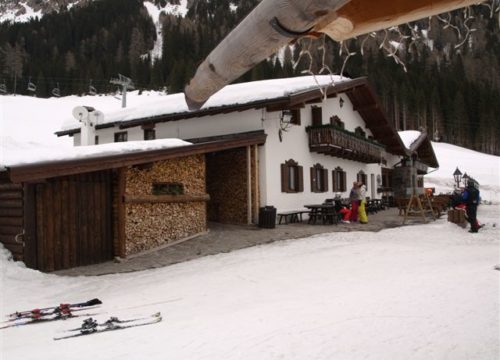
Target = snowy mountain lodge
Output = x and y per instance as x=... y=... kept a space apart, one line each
x=284 y=143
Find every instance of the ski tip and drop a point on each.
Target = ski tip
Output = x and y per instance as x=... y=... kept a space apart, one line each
x=93 y=302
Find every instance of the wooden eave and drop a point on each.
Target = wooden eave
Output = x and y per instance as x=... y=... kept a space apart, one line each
x=367 y=104
x=423 y=148
x=46 y=170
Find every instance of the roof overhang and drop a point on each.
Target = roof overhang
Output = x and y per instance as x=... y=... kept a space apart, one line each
x=422 y=146
x=46 y=170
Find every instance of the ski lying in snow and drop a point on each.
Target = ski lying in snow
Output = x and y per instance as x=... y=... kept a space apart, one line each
x=116 y=320
x=90 y=326
x=48 y=315
x=29 y=321
x=59 y=309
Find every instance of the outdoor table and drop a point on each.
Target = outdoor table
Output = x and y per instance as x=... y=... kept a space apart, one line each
x=324 y=212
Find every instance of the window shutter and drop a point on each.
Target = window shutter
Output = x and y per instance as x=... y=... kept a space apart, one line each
x=344 y=181
x=284 y=178
x=313 y=179
x=325 y=179
x=334 y=180
x=301 y=178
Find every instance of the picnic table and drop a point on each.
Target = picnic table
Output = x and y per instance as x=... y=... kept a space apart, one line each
x=324 y=213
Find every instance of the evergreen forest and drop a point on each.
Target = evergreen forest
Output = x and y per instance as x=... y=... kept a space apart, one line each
x=442 y=80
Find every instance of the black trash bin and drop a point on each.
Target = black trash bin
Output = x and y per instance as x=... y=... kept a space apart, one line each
x=267 y=217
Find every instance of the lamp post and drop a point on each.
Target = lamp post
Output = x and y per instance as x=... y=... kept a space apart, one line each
x=465 y=178
x=458 y=176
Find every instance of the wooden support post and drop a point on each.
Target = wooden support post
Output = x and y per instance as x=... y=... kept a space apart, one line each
x=249 y=185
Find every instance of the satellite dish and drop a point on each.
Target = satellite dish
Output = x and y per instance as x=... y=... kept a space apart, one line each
x=81 y=113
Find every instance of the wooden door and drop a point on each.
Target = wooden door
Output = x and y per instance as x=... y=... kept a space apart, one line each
x=74 y=221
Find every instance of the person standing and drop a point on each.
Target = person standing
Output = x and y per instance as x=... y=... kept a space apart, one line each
x=354 y=200
x=363 y=218
x=471 y=198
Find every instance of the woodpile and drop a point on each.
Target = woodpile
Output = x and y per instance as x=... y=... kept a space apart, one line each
x=155 y=221
x=227 y=185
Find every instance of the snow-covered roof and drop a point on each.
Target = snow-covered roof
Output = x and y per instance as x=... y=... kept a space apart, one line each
x=419 y=143
x=409 y=137
x=236 y=94
x=29 y=153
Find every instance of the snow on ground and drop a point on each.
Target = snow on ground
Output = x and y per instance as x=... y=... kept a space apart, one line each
x=482 y=167
x=415 y=292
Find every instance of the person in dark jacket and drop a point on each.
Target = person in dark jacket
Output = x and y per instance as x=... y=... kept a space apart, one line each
x=471 y=199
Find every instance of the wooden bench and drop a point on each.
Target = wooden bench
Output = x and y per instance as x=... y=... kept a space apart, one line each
x=293 y=216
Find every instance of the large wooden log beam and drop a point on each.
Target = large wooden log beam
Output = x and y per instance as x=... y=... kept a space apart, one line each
x=364 y=16
x=275 y=23
x=270 y=26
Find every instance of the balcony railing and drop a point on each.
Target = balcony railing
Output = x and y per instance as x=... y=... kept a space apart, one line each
x=331 y=140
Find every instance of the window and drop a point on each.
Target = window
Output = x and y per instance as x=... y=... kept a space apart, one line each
x=339 y=180
x=362 y=177
x=149 y=134
x=317 y=116
x=96 y=140
x=386 y=178
x=168 y=189
x=293 y=116
x=291 y=177
x=121 y=136
x=335 y=120
x=319 y=179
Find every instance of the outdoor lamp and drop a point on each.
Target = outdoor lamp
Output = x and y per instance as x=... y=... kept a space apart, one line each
x=458 y=176
x=286 y=116
x=341 y=102
x=465 y=177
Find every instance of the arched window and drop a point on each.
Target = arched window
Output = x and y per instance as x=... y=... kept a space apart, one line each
x=319 y=179
x=362 y=177
x=292 y=177
x=339 y=180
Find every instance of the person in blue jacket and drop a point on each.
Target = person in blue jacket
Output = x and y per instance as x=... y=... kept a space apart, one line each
x=471 y=199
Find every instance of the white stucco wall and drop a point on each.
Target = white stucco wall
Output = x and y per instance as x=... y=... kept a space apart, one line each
x=295 y=145
x=222 y=124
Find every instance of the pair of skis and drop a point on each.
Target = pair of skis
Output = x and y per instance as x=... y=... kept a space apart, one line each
x=65 y=311
x=91 y=326
x=48 y=314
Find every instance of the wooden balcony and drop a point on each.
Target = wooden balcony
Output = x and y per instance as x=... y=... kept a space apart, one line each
x=331 y=140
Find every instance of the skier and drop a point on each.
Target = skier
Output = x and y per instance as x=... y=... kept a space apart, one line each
x=471 y=198
x=354 y=199
x=363 y=218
